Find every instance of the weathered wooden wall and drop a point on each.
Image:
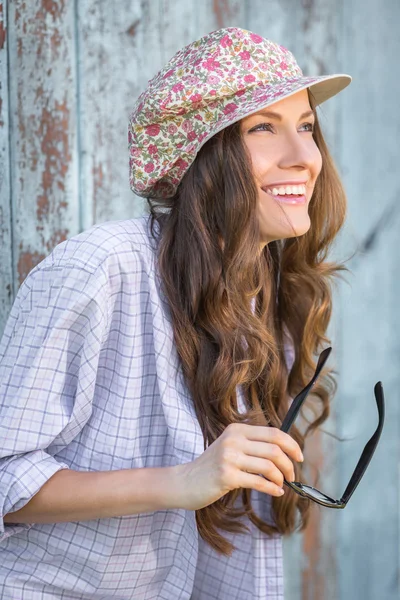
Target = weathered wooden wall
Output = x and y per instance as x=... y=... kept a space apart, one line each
x=69 y=74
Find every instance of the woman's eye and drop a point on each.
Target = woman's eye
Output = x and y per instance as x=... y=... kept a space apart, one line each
x=310 y=127
x=263 y=125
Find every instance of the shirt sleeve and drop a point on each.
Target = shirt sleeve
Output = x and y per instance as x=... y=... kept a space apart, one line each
x=49 y=354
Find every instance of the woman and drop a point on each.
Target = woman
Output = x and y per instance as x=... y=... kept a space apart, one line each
x=146 y=364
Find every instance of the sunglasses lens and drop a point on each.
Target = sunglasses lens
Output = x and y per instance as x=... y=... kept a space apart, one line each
x=317 y=494
x=308 y=490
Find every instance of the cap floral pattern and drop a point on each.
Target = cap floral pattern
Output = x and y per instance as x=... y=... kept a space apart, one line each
x=213 y=82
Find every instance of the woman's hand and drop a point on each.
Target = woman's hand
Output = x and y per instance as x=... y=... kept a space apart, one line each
x=233 y=460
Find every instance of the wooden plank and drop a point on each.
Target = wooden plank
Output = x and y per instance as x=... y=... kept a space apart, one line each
x=110 y=76
x=6 y=272
x=119 y=51
x=369 y=527
x=43 y=130
x=309 y=558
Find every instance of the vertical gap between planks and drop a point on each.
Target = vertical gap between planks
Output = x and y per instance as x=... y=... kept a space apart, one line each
x=161 y=29
x=338 y=141
x=78 y=145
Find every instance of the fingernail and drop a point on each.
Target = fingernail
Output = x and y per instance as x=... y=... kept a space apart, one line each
x=301 y=459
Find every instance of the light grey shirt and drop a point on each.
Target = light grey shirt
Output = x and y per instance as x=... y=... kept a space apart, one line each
x=90 y=380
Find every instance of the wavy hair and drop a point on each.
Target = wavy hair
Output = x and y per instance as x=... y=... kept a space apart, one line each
x=211 y=268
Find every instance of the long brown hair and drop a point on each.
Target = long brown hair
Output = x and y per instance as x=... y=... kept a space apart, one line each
x=211 y=267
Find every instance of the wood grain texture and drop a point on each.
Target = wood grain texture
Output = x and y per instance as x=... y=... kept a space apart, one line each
x=310 y=567
x=43 y=126
x=369 y=528
x=111 y=74
x=119 y=51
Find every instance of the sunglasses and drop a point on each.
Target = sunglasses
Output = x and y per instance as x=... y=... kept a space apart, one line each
x=306 y=490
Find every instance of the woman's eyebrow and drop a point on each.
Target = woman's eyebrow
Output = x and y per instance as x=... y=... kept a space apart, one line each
x=278 y=117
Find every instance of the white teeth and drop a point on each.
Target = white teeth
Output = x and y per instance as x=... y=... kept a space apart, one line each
x=288 y=189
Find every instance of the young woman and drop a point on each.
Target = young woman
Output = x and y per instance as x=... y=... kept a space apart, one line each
x=147 y=364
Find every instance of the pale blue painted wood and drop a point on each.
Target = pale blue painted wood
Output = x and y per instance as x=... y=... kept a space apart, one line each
x=119 y=51
x=42 y=147
x=370 y=323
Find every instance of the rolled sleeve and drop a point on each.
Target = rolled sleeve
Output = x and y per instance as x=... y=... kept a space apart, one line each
x=21 y=478
x=49 y=354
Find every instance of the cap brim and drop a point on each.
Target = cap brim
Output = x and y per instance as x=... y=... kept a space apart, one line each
x=326 y=87
x=322 y=88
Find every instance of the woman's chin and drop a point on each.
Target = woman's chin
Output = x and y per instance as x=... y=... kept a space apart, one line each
x=286 y=233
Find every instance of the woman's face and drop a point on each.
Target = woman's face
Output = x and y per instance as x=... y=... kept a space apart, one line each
x=283 y=153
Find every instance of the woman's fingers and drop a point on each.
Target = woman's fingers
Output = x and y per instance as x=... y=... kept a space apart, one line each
x=260 y=433
x=255 y=482
x=266 y=467
x=272 y=455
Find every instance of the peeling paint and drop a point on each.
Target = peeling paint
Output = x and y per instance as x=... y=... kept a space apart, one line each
x=42 y=104
x=26 y=262
x=3 y=31
x=56 y=9
x=47 y=35
x=56 y=238
x=98 y=177
x=53 y=133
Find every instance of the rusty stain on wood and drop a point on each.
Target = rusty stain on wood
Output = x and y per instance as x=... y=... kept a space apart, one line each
x=27 y=261
x=98 y=177
x=313 y=583
x=58 y=236
x=45 y=131
x=53 y=133
x=56 y=9
x=222 y=11
x=3 y=31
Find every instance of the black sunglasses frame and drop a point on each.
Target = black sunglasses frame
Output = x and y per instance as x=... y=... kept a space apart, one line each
x=308 y=491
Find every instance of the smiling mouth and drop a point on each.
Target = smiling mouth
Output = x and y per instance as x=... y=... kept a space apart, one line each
x=291 y=199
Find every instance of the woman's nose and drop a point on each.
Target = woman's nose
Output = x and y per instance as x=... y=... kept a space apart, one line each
x=299 y=151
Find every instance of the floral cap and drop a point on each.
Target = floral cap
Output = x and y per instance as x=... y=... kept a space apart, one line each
x=213 y=82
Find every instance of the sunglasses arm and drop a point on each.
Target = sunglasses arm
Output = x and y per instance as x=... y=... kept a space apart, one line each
x=298 y=401
x=369 y=447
